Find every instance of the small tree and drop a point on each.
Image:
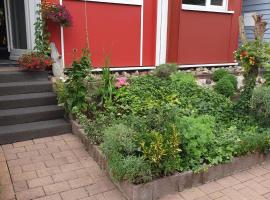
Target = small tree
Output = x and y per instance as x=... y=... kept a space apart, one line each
x=252 y=55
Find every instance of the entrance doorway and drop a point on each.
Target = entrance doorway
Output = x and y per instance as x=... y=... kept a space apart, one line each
x=4 y=54
x=19 y=22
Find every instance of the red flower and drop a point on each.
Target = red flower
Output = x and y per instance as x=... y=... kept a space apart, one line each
x=244 y=53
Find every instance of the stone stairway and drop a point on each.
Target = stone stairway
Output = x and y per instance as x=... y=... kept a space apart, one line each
x=28 y=107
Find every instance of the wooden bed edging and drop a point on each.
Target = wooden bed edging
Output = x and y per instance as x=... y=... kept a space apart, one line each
x=171 y=184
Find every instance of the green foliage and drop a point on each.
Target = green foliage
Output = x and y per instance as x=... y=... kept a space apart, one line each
x=183 y=78
x=243 y=105
x=94 y=128
x=119 y=138
x=196 y=133
x=75 y=89
x=165 y=70
x=161 y=151
x=260 y=104
x=120 y=147
x=219 y=74
x=253 y=54
x=232 y=79
x=131 y=168
x=42 y=35
x=225 y=87
x=107 y=88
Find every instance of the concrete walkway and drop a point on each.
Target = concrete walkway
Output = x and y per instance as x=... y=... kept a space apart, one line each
x=58 y=168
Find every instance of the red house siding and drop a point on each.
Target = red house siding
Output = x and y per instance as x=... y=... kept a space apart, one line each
x=197 y=37
x=114 y=32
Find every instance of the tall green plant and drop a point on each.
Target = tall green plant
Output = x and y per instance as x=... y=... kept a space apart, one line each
x=75 y=89
x=42 y=34
x=107 y=88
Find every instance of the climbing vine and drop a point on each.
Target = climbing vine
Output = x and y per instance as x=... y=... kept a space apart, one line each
x=42 y=35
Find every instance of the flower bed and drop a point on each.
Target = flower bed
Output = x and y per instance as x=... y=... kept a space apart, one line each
x=175 y=183
x=163 y=123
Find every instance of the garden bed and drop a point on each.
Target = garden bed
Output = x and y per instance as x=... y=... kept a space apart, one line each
x=174 y=183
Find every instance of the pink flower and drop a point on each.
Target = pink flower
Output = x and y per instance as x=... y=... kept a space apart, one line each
x=120 y=82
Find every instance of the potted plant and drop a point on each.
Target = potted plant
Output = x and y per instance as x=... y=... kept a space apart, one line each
x=34 y=61
x=57 y=13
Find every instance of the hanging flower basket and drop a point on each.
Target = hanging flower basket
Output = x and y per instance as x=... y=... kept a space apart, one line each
x=35 y=62
x=58 y=14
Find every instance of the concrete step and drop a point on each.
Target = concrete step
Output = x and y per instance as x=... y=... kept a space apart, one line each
x=19 y=76
x=25 y=87
x=30 y=114
x=27 y=100
x=27 y=131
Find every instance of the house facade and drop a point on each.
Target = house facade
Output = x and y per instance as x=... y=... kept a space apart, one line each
x=251 y=7
x=135 y=34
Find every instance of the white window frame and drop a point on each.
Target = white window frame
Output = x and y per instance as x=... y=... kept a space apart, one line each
x=208 y=7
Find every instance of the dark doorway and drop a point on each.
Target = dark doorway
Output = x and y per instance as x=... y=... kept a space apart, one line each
x=4 y=54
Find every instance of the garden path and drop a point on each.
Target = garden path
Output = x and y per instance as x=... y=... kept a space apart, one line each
x=58 y=168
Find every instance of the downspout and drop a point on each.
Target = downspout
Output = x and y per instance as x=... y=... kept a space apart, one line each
x=62 y=40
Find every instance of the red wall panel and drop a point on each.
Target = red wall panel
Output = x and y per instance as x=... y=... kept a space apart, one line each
x=149 y=34
x=203 y=37
x=114 y=32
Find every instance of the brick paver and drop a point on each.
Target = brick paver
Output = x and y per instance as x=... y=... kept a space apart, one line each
x=252 y=184
x=58 y=168
x=52 y=168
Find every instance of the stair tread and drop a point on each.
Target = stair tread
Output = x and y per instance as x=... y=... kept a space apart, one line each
x=32 y=126
x=27 y=96
x=24 y=83
x=28 y=110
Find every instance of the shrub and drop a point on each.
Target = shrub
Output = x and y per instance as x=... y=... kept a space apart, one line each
x=131 y=168
x=120 y=148
x=76 y=91
x=219 y=74
x=260 y=104
x=161 y=151
x=196 y=135
x=94 y=128
x=224 y=87
x=232 y=79
x=165 y=70
x=183 y=78
x=119 y=138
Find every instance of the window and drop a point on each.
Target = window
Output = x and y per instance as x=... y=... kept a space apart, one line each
x=206 y=5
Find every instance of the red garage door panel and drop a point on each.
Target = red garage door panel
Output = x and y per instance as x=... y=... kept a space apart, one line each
x=114 y=32
x=204 y=37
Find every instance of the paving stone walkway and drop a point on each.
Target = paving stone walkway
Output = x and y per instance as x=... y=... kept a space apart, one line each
x=53 y=168
x=58 y=168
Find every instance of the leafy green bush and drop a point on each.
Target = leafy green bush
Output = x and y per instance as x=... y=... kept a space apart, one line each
x=161 y=151
x=219 y=74
x=120 y=148
x=260 y=104
x=131 y=168
x=94 y=127
x=183 y=78
x=232 y=79
x=119 y=138
x=197 y=133
x=225 y=87
x=75 y=89
x=165 y=70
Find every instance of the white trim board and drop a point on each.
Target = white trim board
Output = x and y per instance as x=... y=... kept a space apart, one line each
x=113 y=69
x=128 y=2
x=207 y=65
x=161 y=32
